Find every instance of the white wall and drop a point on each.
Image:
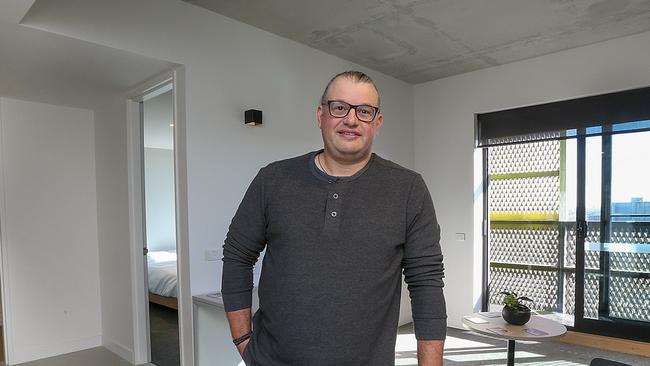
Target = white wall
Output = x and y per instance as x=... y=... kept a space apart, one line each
x=229 y=67
x=49 y=229
x=113 y=226
x=160 y=199
x=444 y=134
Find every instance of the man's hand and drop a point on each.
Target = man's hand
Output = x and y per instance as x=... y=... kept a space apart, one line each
x=242 y=347
x=430 y=352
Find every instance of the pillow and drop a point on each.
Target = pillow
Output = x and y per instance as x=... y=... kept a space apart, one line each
x=162 y=256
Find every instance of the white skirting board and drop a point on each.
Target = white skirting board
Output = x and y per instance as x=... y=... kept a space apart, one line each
x=119 y=349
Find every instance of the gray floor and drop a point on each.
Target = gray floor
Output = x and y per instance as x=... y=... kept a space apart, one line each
x=99 y=356
x=461 y=349
x=163 y=323
x=469 y=349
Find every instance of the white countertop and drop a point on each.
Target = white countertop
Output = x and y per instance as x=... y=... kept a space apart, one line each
x=213 y=299
x=216 y=299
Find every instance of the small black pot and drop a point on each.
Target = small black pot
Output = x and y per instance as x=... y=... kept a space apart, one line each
x=516 y=317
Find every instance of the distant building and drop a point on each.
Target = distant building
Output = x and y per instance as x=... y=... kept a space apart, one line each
x=636 y=206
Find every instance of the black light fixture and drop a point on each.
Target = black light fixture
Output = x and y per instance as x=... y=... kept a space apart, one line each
x=253 y=117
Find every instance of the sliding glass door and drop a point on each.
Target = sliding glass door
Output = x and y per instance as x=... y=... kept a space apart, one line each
x=615 y=277
x=569 y=226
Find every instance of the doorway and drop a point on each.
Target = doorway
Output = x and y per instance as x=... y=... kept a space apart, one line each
x=159 y=195
x=172 y=81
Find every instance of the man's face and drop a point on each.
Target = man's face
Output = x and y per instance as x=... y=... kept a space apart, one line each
x=347 y=137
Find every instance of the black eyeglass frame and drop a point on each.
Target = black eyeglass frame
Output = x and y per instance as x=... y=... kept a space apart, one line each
x=356 y=111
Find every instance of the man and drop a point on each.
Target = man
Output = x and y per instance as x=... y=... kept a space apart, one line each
x=339 y=225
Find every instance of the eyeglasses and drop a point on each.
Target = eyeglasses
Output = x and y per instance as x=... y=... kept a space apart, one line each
x=339 y=109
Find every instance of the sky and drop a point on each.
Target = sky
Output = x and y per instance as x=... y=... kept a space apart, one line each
x=631 y=166
x=630 y=170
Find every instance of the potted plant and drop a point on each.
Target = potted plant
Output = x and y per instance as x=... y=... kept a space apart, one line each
x=514 y=312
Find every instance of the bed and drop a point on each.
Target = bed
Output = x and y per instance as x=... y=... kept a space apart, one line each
x=163 y=279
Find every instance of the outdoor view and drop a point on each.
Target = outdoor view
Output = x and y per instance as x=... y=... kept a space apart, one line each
x=532 y=203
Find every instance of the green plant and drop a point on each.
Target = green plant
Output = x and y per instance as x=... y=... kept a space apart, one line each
x=513 y=301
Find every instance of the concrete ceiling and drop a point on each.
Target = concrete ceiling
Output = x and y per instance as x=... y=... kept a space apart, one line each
x=422 y=40
x=44 y=67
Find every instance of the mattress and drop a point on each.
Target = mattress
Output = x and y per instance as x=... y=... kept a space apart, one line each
x=162 y=273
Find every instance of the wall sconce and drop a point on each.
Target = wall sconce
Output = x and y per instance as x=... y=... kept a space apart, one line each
x=253 y=117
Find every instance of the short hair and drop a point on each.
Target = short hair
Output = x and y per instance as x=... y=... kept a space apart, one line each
x=356 y=76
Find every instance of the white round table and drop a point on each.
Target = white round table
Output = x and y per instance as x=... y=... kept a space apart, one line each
x=537 y=329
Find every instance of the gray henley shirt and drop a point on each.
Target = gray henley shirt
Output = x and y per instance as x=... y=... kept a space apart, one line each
x=335 y=250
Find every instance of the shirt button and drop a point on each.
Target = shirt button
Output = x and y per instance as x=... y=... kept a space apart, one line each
x=334 y=214
x=335 y=196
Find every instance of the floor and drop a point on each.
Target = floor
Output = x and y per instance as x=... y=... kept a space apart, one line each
x=461 y=349
x=163 y=322
x=98 y=356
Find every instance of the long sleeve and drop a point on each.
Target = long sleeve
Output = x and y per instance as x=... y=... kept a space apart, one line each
x=423 y=266
x=244 y=242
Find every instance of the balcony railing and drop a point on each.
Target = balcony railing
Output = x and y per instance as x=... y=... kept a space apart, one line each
x=537 y=259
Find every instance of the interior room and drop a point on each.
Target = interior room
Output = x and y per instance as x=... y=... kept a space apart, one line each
x=525 y=120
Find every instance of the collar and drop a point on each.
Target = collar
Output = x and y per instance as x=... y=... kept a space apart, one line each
x=334 y=179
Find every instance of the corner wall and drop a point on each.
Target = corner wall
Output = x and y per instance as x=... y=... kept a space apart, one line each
x=444 y=136
x=49 y=230
x=113 y=226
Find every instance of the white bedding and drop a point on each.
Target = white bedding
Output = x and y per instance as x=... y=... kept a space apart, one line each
x=162 y=273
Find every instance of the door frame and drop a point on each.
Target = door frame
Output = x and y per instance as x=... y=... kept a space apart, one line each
x=141 y=342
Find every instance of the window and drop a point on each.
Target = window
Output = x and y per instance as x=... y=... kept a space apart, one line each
x=569 y=210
